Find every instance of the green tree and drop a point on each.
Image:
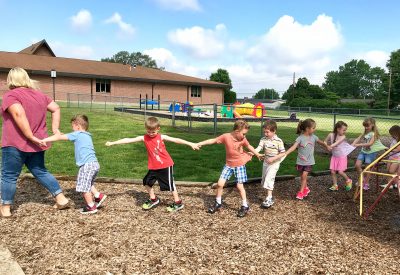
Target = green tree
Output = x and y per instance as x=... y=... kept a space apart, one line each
x=134 y=58
x=355 y=79
x=393 y=66
x=266 y=94
x=222 y=76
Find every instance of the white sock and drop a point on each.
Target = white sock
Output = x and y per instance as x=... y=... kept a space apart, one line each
x=97 y=195
x=244 y=203
x=219 y=200
x=91 y=204
x=269 y=197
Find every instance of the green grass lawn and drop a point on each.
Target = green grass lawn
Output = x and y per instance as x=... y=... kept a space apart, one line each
x=130 y=160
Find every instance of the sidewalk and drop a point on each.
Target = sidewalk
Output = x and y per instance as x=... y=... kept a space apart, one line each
x=7 y=264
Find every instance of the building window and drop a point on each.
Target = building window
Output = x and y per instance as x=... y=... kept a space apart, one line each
x=195 y=91
x=103 y=86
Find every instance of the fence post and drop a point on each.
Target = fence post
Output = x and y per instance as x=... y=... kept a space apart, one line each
x=146 y=102
x=159 y=102
x=68 y=100
x=189 y=115
x=78 y=100
x=215 y=118
x=262 y=122
x=173 y=114
x=334 y=120
x=140 y=101
x=105 y=104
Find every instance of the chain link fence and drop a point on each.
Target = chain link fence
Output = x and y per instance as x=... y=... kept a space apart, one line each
x=216 y=119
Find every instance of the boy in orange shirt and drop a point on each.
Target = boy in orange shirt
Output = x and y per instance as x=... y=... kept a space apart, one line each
x=236 y=158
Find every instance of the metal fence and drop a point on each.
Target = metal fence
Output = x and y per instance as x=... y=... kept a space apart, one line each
x=209 y=118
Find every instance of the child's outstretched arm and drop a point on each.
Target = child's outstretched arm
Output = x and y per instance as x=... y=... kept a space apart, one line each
x=323 y=144
x=364 y=144
x=338 y=141
x=291 y=149
x=125 y=141
x=55 y=137
x=357 y=140
x=207 y=142
x=255 y=152
x=180 y=141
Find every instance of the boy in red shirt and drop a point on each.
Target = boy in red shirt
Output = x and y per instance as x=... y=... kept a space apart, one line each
x=160 y=163
x=236 y=158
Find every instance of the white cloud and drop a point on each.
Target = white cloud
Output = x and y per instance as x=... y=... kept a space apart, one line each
x=200 y=42
x=125 y=30
x=72 y=51
x=374 y=58
x=82 y=21
x=165 y=58
x=179 y=4
x=289 y=45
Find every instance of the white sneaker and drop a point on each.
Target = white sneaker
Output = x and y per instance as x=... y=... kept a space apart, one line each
x=267 y=203
x=384 y=186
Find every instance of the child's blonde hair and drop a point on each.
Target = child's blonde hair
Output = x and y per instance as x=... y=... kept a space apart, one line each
x=18 y=77
x=240 y=124
x=152 y=123
x=81 y=120
x=304 y=124
x=371 y=121
x=270 y=125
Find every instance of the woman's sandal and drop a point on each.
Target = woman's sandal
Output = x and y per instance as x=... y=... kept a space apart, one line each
x=62 y=206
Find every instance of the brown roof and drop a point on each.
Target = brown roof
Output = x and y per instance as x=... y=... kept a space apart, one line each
x=36 y=64
x=39 y=48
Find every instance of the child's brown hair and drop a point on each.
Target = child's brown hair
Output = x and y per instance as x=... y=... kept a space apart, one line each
x=81 y=120
x=394 y=131
x=371 y=121
x=240 y=125
x=152 y=123
x=337 y=126
x=304 y=124
x=270 y=125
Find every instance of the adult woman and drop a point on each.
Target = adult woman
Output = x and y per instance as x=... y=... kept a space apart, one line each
x=24 y=123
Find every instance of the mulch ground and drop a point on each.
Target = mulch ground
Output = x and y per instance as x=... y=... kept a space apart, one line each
x=322 y=234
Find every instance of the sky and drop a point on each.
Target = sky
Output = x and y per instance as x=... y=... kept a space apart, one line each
x=261 y=43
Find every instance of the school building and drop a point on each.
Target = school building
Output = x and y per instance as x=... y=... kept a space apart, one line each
x=60 y=76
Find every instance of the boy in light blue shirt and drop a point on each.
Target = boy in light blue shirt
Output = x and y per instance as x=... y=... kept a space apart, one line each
x=85 y=158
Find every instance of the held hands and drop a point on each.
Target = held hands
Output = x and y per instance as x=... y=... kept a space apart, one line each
x=38 y=142
x=195 y=146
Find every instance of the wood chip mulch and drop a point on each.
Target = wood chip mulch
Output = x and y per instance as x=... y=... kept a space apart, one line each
x=321 y=235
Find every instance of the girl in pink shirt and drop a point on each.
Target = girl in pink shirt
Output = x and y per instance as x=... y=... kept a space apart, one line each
x=236 y=158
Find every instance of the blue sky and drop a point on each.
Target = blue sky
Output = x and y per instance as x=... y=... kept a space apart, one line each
x=260 y=43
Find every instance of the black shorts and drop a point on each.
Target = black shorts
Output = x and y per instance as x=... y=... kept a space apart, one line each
x=165 y=178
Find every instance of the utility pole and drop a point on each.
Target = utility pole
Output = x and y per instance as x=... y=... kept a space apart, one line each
x=390 y=87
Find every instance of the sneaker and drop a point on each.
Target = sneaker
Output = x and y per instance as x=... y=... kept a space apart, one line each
x=306 y=191
x=366 y=186
x=89 y=210
x=216 y=207
x=243 y=211
x=384 y=186
x=300 y=195
x=149 y=204
x=349 y=185
x=174 y=207
x=334 y=187
x=267 y=203
x=99 y=201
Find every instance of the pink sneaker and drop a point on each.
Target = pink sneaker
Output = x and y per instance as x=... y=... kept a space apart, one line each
x=300 y=196
x=366 y=186
x=306 y=191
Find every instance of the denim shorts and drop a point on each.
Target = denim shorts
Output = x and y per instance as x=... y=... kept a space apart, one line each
x=240 y=173
x=367 y=158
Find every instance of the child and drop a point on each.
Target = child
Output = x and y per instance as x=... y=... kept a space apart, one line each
x=393 y=167
x=86 y=160
x=236 y=159
x=272 y=145
x=305 y=144
x=370 y=143
x=160 y=163
x=337 y=141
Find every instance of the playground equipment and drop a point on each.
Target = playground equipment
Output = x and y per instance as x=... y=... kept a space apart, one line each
x=257 y=110
x=370 y=170
x=227 y=111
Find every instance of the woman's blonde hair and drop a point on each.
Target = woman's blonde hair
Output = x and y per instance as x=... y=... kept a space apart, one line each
x=18 y=77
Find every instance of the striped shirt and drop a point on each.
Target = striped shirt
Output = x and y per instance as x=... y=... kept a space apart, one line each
x=271 y=147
